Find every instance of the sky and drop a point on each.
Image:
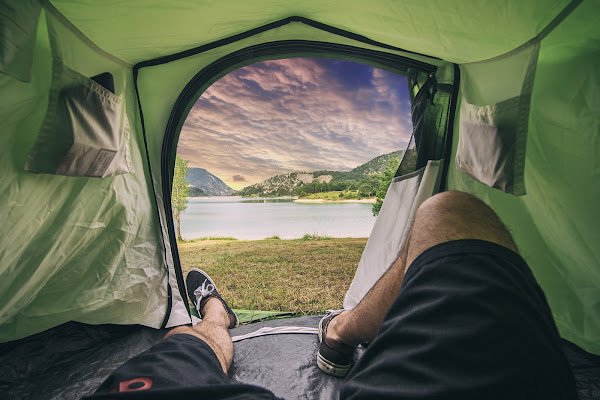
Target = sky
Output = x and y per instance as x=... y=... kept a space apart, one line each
x=297 y=114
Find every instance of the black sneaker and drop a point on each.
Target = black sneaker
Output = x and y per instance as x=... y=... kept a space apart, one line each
x=334 y=357
x=200 y=288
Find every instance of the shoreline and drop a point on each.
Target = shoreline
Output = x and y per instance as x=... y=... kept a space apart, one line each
x=372 y=201
x=217 y=239
x=215 y=197
x=295 y=199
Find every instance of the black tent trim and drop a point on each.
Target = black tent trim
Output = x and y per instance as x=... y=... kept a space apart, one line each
x=267 y=27
x=243 y=57
x=169 y=289
x=165 y=166
x=450 y=129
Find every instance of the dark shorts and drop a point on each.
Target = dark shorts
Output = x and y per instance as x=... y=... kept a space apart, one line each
x=181 y=366
x=470 y=322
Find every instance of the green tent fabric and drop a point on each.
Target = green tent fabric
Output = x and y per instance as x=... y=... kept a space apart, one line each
x=75 y=246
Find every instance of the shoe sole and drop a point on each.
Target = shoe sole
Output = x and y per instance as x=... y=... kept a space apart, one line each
x=330 y=368
x=327 y=366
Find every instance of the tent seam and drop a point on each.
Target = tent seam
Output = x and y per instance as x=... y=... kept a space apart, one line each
x=270 y=26
x=450 y=130
x=157 y=208
x=195 y=83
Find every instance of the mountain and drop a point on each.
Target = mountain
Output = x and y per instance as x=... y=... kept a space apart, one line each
x=281 y=185
x=285 y=184
x=207 y=183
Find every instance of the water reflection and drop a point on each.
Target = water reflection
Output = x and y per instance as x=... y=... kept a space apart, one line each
x=269 y=200
x=238 y=199
x=258 y=218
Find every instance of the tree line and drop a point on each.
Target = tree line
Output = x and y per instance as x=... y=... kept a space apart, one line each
x=366 y=186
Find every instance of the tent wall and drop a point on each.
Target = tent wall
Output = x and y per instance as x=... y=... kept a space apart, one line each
x=97 y=250
x=432 y=30
x=457 y=31
x=73 y=248
x=556 y=223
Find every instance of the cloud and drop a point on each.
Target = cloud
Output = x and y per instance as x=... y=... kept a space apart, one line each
x=297 y=114
x=238 y=178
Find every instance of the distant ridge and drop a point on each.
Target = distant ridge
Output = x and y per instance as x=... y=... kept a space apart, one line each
x=377 y=165
x=207 y=183
x=286 y=183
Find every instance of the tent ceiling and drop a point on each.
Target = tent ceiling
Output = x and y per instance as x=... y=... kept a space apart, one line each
x=457 y=31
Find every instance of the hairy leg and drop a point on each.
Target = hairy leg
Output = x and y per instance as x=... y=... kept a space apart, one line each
x=442 y=218
x=213 y=330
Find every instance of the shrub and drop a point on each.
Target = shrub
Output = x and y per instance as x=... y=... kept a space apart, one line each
x=308 y=236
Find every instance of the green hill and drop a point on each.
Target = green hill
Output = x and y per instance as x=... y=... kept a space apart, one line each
x=377 y=165
x=292 y=182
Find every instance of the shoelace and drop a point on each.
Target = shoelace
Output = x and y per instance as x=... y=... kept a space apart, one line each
x=203 y=291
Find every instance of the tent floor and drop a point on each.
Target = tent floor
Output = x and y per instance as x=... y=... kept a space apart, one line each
x=71 y=360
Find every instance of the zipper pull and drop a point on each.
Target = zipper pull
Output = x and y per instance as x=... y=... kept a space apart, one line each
x=433 y=87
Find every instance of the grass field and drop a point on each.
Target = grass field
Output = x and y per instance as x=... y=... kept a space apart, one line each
x=307 y=275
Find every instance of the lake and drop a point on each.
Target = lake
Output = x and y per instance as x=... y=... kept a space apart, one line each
x=255 y=218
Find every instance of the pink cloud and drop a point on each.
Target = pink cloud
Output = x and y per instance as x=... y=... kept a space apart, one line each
x=288 y=115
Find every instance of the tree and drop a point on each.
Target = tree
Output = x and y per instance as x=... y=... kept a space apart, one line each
x=385 y=180
x=367 y=186
x=180 y=192
x=365 y=190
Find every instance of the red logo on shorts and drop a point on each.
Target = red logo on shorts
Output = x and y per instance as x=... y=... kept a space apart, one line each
x=133 y=385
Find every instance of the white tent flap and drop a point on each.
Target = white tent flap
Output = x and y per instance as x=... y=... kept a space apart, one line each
x=403 y=198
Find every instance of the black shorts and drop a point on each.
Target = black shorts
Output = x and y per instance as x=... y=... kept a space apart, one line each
x=181 y=366
x=470 y=322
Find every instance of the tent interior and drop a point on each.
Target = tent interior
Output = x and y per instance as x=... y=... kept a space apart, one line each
x=505 y=105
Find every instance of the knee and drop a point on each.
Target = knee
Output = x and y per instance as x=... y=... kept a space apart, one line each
x=181 y=329
x=458 y=208
x=451 y=201
x=457 y=215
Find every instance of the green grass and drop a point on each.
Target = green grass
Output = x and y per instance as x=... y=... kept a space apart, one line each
x=335 y=195
x=308 y=236
x=305 y=276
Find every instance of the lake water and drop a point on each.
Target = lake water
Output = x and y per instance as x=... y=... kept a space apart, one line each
x=251 y=219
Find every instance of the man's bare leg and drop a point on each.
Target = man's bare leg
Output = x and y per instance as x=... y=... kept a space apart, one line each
x=213 y=330
x=442 y=218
